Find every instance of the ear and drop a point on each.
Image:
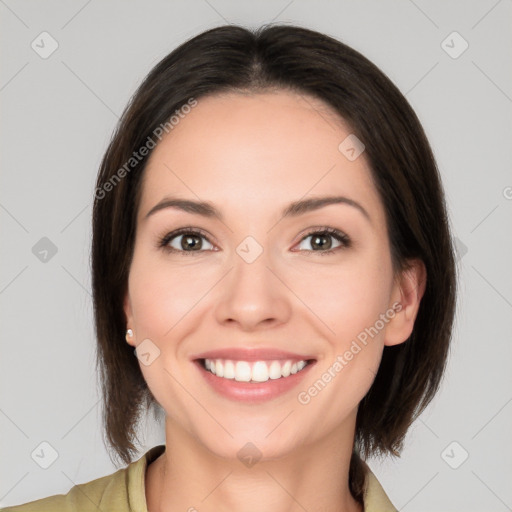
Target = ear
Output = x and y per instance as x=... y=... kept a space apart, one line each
x=127 y=307
x=405 y=301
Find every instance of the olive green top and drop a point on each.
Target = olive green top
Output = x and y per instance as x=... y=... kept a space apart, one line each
x=124 y=491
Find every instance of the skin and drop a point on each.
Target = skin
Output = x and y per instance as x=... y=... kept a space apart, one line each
x=250 y=156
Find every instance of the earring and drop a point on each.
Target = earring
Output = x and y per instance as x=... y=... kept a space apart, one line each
x=129 y=334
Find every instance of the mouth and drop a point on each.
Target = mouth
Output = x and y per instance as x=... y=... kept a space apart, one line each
x=252 y=374
x=255 y=372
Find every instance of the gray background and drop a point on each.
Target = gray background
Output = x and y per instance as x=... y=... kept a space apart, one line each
x=57 y=117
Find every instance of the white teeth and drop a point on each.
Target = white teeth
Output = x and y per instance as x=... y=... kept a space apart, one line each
x=242 y=371
x=229 y=370
x=219 y=369
x=258 y=371
x=274 y=372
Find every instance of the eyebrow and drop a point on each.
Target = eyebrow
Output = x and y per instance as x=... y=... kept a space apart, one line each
x=294 y=209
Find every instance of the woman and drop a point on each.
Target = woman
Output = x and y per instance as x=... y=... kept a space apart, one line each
x=270 y=240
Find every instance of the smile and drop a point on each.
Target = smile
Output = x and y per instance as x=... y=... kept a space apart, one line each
x=253 y=371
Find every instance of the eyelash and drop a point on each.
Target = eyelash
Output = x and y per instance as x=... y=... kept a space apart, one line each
x=335 y=233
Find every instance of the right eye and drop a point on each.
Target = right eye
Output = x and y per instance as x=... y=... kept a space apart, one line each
x=184 y=240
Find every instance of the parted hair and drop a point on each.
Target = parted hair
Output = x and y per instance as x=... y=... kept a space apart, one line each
x=232 y=58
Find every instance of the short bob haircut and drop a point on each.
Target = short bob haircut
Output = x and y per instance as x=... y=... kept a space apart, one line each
x=232 y=58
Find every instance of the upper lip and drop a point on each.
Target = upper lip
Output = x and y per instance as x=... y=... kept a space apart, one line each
x=252 y=354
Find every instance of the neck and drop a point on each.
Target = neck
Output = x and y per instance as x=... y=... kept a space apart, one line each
x=187 y=476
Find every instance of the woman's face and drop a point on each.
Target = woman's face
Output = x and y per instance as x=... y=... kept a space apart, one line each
x=258 y=284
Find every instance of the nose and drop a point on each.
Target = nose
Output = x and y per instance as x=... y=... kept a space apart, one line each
x=253 y=295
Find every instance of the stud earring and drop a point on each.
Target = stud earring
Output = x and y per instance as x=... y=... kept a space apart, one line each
x=129 y=333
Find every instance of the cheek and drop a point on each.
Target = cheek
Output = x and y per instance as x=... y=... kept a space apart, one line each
x=162 y=299
x=162 y=295
x=351 y=306
x=348 y=297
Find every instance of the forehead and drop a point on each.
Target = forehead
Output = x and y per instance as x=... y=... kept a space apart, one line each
x=256 y=150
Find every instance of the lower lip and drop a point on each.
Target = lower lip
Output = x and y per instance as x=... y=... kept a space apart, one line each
x=253 y=392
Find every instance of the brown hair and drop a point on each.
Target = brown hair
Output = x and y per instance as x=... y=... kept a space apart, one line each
x=233 y=58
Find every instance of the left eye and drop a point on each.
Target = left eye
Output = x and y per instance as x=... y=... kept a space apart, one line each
x=322 y=240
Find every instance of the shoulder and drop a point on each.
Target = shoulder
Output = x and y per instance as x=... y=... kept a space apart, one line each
x=122 y=491
x=375 y=498
x=85 y=497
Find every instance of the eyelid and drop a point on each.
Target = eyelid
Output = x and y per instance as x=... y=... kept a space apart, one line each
x=322 y=229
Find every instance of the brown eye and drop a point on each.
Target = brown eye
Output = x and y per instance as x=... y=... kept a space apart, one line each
x=185 y=241
x=322 y=241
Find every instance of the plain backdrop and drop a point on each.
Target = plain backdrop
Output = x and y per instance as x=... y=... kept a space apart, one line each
x=58 y=111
